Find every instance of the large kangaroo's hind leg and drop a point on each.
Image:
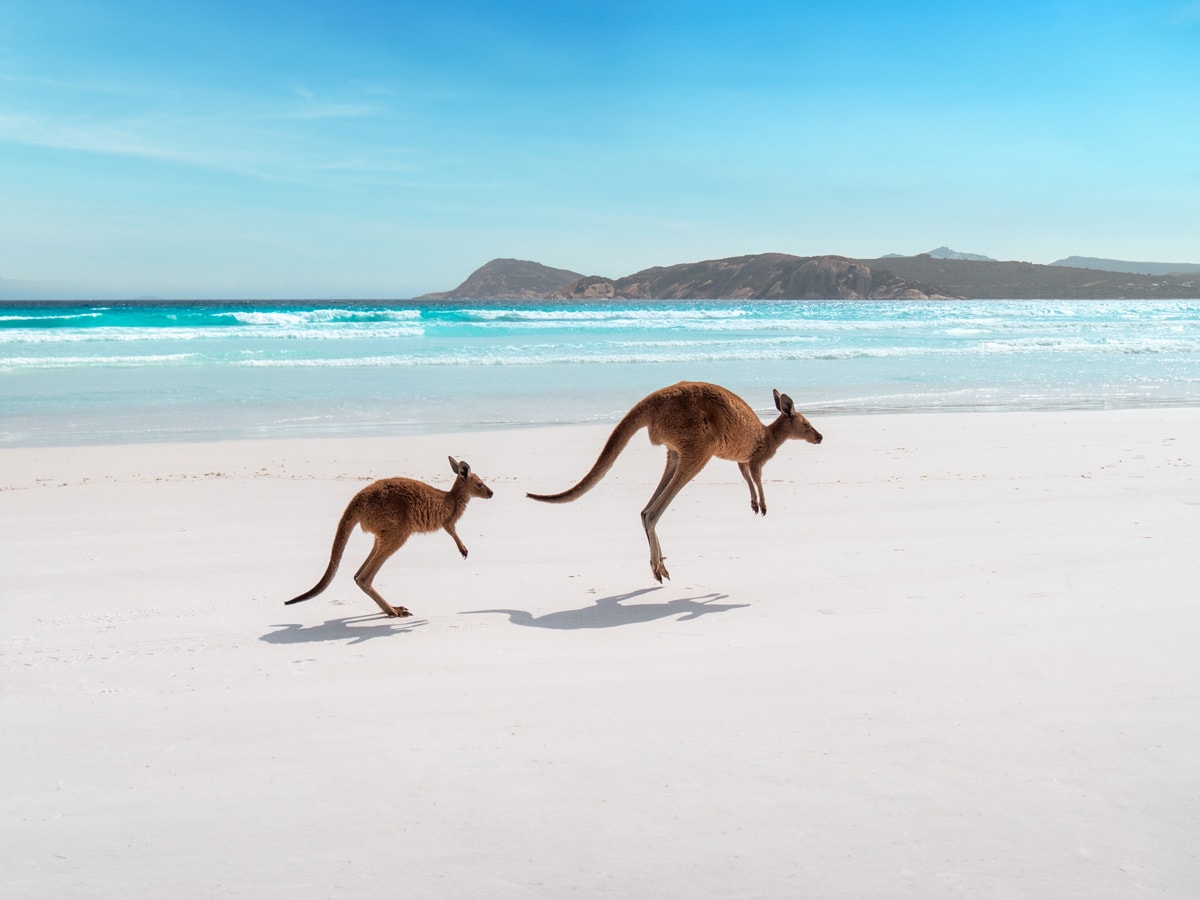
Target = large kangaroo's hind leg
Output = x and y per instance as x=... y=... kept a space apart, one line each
x=385 y=546
x=679 y=471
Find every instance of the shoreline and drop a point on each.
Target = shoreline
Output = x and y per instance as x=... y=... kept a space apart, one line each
x=420 y=454
x=398 y=431
x=956 y=658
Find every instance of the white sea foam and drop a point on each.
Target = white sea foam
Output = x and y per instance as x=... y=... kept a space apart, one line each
x=77 y=362
x=601 y=312
x=53 y=318
x=210 y=334
x=680 y=352
x=308 y=317
x=1074 y=345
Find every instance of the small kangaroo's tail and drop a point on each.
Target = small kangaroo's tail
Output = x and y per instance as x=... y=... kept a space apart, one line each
x=634 y=421
x=340 y=538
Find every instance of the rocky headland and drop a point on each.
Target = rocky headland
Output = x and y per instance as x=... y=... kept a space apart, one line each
x=781 y=276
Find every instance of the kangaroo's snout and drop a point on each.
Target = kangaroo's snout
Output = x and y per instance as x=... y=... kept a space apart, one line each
x=817 y=437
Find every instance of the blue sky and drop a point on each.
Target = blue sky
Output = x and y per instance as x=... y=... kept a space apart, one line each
x=381 y=150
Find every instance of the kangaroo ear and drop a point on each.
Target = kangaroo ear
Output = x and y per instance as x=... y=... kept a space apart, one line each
x=784 y=404
x=455 y=465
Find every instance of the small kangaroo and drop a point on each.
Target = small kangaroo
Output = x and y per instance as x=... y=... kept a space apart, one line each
x=695 y=421
x=393 y=509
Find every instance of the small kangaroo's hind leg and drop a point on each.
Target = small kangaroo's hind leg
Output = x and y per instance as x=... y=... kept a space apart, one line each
x=385 y=546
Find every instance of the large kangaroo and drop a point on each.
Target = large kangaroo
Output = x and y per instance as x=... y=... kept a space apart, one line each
x=695 y=421
x=393 y=509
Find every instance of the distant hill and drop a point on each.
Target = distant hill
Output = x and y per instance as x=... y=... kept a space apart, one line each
x=781 y=276
x=1008 y=280
x=947 y=253
x=942 y=253
x=509 y=279
x=1120 y=265
x=764 y=276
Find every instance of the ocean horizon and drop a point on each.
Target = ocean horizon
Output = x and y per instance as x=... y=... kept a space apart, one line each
x=135 y=371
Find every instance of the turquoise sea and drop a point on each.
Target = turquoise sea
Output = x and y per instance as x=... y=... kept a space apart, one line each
x=75 y=373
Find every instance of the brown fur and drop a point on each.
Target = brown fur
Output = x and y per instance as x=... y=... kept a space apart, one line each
x=695 y=422
x=393 y=509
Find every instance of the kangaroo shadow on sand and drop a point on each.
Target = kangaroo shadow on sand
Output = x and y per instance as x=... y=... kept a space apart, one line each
x=373 y=626
x=608 y=612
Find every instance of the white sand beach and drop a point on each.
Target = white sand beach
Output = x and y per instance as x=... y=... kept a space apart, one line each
x=958 y=658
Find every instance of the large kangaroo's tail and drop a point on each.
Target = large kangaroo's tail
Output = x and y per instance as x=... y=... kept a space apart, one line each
x=340 y=537
x=634 y=421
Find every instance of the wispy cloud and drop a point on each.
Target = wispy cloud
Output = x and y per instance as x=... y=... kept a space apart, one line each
x=315 y=108
x=272 y=138
x=258 y=146
x=320 y=111
x=105 y=138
